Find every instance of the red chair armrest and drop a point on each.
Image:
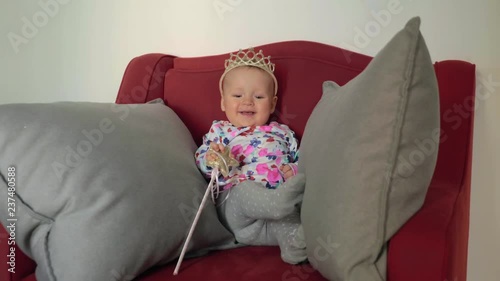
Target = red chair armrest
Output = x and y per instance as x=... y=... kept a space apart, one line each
x=143 y=79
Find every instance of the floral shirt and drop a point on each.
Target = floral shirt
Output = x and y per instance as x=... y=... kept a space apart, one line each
x=260 y=150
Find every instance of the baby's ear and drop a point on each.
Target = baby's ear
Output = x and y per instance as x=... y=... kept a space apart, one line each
x=222 y=107
x=274 y=102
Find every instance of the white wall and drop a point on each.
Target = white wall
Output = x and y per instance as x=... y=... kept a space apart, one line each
x=81 y=50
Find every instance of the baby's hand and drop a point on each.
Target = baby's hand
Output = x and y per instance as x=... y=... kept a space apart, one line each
x=287 y=171
x=210 y=156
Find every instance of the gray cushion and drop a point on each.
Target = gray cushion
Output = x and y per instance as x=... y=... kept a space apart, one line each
x=365 y=174
x=104 y=191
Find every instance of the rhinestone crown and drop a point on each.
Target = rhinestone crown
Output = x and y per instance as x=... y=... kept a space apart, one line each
x=252 y=59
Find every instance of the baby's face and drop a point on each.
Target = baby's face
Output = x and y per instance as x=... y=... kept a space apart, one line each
x=248 y=96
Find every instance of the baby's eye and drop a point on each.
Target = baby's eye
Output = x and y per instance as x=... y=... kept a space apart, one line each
x=259 y=97
x=236 y=95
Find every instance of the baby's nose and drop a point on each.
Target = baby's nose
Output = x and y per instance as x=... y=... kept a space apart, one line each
x=248 y=101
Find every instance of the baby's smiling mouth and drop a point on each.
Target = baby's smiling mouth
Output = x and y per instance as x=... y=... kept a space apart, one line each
x=247 y=113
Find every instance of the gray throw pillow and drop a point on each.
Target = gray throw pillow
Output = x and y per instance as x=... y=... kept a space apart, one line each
x=369 y=151
x=103 y=191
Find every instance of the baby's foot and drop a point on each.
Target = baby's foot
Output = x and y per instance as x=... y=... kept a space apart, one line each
x=295 y=251
x=258 y=202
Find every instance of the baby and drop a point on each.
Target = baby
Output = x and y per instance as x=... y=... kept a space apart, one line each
x=264 y=190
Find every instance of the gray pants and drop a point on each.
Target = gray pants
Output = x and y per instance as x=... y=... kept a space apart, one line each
x=267 y=217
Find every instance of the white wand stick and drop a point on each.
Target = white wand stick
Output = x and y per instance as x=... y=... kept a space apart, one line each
x=215 y=173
